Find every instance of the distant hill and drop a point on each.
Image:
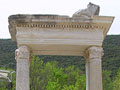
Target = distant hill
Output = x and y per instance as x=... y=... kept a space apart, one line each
x=111 y=59
x=7 y=48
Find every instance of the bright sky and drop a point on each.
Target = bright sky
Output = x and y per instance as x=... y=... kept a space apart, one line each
x=61 y=7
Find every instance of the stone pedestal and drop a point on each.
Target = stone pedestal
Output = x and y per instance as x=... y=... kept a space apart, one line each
x=22 y=72
x=94 y=68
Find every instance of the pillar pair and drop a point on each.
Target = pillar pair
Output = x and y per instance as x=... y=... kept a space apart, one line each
x=93 y=68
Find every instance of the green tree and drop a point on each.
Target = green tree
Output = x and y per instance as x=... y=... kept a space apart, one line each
x=107 y=81
x=48 y=76
x=116 y=83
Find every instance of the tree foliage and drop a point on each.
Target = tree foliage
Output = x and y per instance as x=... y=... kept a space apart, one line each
x=48 y=76
x=116 y=83
x=107 y=81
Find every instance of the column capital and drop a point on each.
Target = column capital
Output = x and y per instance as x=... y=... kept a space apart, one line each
x=22 y=52
x=94 y=52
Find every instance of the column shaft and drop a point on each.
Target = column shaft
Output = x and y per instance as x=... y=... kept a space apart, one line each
x=94 y=69
x=22 y=71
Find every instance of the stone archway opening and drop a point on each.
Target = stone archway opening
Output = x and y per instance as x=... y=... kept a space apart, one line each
x=48 y=70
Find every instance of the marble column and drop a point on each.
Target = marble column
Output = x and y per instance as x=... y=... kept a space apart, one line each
x=22 y=72
x=94 y=68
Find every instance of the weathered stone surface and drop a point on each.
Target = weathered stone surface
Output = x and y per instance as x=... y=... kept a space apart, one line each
x=22 y=71
x=90 y=11
x=58 y=35
x=22 y=53
x=94 y=68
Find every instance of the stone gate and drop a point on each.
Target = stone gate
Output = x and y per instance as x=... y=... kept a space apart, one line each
x=80 y=35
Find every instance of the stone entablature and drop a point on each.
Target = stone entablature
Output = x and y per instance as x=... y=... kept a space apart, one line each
x=58 y=35
x=59 y=22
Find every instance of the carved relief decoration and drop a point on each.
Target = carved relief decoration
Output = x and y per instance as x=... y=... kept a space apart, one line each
x=94 y=52
x=22 y=53
x=75 y=26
